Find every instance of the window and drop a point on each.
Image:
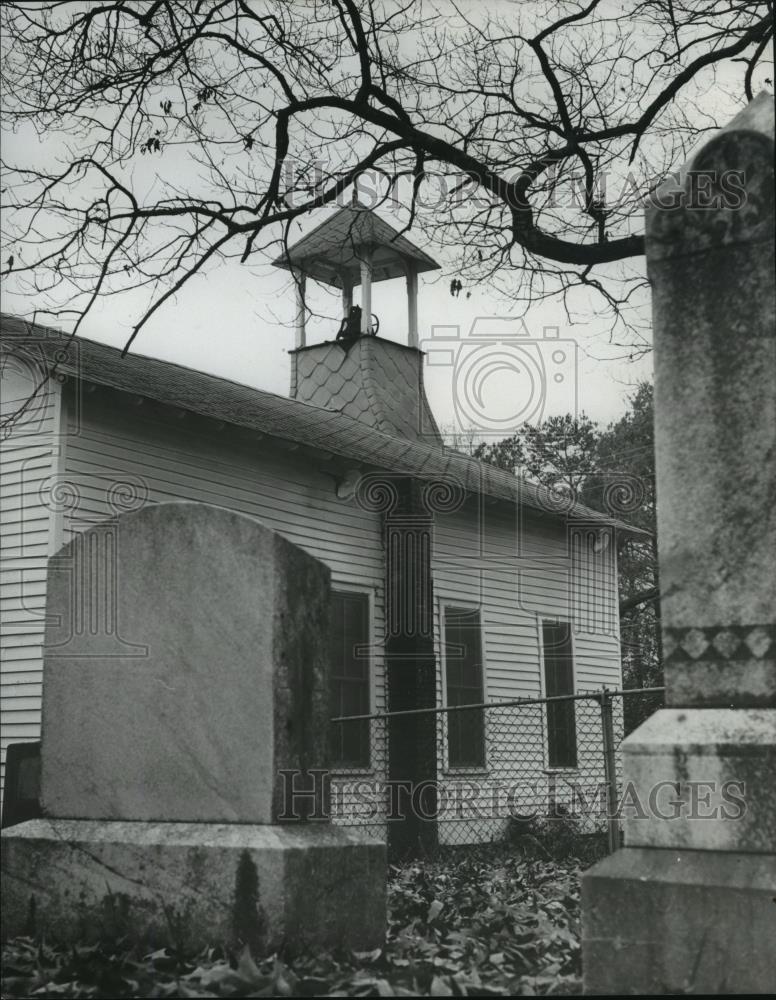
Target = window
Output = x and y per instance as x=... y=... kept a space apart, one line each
x=559 y=680
x=350 y=679
x=463 y=669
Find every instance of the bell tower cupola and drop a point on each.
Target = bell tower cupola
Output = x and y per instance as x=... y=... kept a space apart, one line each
x=361 y=373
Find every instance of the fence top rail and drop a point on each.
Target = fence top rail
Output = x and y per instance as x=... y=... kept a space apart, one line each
x=512 y=703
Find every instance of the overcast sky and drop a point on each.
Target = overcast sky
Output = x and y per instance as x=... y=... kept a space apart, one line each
x=236 y=321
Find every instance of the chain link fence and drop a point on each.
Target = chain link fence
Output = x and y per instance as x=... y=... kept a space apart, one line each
x=501 y=767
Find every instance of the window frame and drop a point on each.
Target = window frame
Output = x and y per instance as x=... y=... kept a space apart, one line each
x=362 y=590
x=454 y=603
x=557 y=620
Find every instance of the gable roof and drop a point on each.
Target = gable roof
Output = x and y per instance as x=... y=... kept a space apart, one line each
x=287 y=419
x=332 y=248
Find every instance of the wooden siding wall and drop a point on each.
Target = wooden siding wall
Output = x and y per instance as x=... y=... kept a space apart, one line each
x=126 y=455
x=28 y=498
x=121 y=453
x=519 y=568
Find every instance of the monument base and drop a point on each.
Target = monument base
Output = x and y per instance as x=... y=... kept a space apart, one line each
x=188 y=885
x=704 y=779
x=660 y=921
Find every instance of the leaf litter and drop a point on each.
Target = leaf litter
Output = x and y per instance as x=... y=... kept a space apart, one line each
x=472 y=923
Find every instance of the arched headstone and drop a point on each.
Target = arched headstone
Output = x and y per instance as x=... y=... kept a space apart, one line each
x=184 y=746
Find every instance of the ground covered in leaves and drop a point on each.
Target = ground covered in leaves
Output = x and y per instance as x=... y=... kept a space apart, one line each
x=482 y=923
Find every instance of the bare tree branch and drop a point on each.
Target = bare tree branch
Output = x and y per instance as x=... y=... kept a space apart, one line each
x=527 y=136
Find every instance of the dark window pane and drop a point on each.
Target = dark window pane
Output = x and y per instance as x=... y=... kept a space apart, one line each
x=350 y=679
x=559 y=680
x=464 y=673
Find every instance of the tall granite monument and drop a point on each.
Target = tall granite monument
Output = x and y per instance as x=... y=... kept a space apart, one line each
x=688 y=904
x=184 y=746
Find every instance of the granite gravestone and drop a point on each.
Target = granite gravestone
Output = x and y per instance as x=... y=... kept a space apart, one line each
x=231 y=690
x=185 y=694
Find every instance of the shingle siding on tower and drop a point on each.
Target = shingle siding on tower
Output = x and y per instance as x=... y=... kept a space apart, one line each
x=374 y=381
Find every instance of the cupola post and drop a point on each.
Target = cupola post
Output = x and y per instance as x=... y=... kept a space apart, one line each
x=412 y=306
x=366 y=289
x=300 y=282
x=347 y=294
x=351 y=247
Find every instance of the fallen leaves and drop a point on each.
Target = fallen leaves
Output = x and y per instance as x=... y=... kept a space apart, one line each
x=475 y=923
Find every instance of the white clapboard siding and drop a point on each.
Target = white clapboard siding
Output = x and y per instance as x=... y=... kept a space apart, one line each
x=125 y=455
x=519 y=569
x=27 y=470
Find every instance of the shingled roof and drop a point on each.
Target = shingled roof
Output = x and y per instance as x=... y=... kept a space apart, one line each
x=277 y=416
x=332 y=248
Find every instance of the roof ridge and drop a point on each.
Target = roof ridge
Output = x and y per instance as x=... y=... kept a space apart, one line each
x=363 y=227
x=342 y=210
x=173 y=364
